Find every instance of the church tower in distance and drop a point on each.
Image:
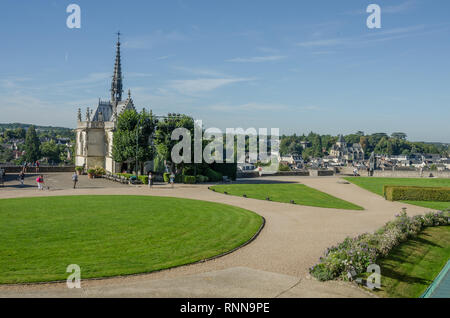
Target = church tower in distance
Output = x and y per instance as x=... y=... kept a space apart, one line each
x=94 y=134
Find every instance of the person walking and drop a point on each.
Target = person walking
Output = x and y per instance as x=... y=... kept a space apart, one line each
x=150 y=179
x=40 y=182
x=172 y=179
x=75 y=179
x=21 y=177
x=260 y=171
x=37 y=166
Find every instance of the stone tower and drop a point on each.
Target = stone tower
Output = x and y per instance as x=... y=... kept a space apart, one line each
x=94 y=135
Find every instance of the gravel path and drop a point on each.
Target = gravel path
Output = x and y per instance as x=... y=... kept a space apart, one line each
x=292 y=241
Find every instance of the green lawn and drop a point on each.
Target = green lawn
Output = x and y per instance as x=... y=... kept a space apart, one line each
x=300 y=193
x=113 y=235
x=412 y=266
x=376 y=185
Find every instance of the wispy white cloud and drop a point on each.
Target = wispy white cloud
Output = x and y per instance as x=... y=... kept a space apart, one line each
x=13 y=82
x=199 y=71
x=154 y=39
x=202 y=85
x=367 y=38
x=321 y=43
x=260 y=107
x=400 y=8
x=164 y=57
x=390 y=9
x=257 y=59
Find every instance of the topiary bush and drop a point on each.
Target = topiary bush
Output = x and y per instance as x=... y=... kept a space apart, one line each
x=200 y=179
x=189 y=179
x=143 y=179
x=166 y=177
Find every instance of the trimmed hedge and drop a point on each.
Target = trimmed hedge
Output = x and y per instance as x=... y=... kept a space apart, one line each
x=166 y=177
x=414 y=193
x=201 y=179
x=144 y=179
x=189 y=179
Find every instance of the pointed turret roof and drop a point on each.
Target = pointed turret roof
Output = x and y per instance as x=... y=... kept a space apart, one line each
x=116 y=85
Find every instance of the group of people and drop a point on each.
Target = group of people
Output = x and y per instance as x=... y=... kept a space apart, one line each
x=27 y=165
x=39 y=180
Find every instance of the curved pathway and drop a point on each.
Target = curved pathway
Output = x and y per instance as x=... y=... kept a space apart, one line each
x=274 y=265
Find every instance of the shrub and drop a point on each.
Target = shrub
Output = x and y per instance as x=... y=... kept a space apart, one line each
x=179 y=178
x=143 y=179
x=189 y=179
x=78 y=168
x=282 y=167
x=413 y=193
x=99 y=171
x=126 y=175
x=166 y=177
x=91 y=171
x=356 y=254
x=200 y=179
x=214 y=176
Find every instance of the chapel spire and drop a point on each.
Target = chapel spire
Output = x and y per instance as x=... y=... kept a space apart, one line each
x=116 y=85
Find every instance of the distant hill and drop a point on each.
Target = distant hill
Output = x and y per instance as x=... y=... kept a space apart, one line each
x=37 y=127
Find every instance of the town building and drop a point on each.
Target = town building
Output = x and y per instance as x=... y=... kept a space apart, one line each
x=342 y=151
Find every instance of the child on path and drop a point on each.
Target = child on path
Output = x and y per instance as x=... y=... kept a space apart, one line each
x=21 y=177
x=40 y=182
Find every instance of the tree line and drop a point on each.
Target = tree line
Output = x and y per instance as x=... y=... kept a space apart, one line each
x=380 y=143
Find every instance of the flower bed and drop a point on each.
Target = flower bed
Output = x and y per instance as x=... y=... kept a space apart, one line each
x=356 y=254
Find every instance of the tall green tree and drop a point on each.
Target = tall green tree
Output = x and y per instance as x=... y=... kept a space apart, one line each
x=163 y=141
x=32 y=145
x=131 y=140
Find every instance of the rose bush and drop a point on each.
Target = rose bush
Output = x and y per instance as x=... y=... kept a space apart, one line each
x=354 y=255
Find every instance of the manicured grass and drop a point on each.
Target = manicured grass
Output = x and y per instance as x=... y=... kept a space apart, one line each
x=113 y=235
x=375 y=185
x=300 y=193
x=412 y=266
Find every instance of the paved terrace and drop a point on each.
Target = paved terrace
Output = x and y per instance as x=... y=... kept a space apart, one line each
x=274 y=265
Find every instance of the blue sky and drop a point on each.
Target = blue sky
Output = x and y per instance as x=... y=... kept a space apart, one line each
x=296 y=65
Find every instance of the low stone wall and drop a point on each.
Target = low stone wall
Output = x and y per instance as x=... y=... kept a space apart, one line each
x=321 y=173
x=398 y=173
x=407 y=174
x=250 y=174
x=302 y=173
x=43 y=169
